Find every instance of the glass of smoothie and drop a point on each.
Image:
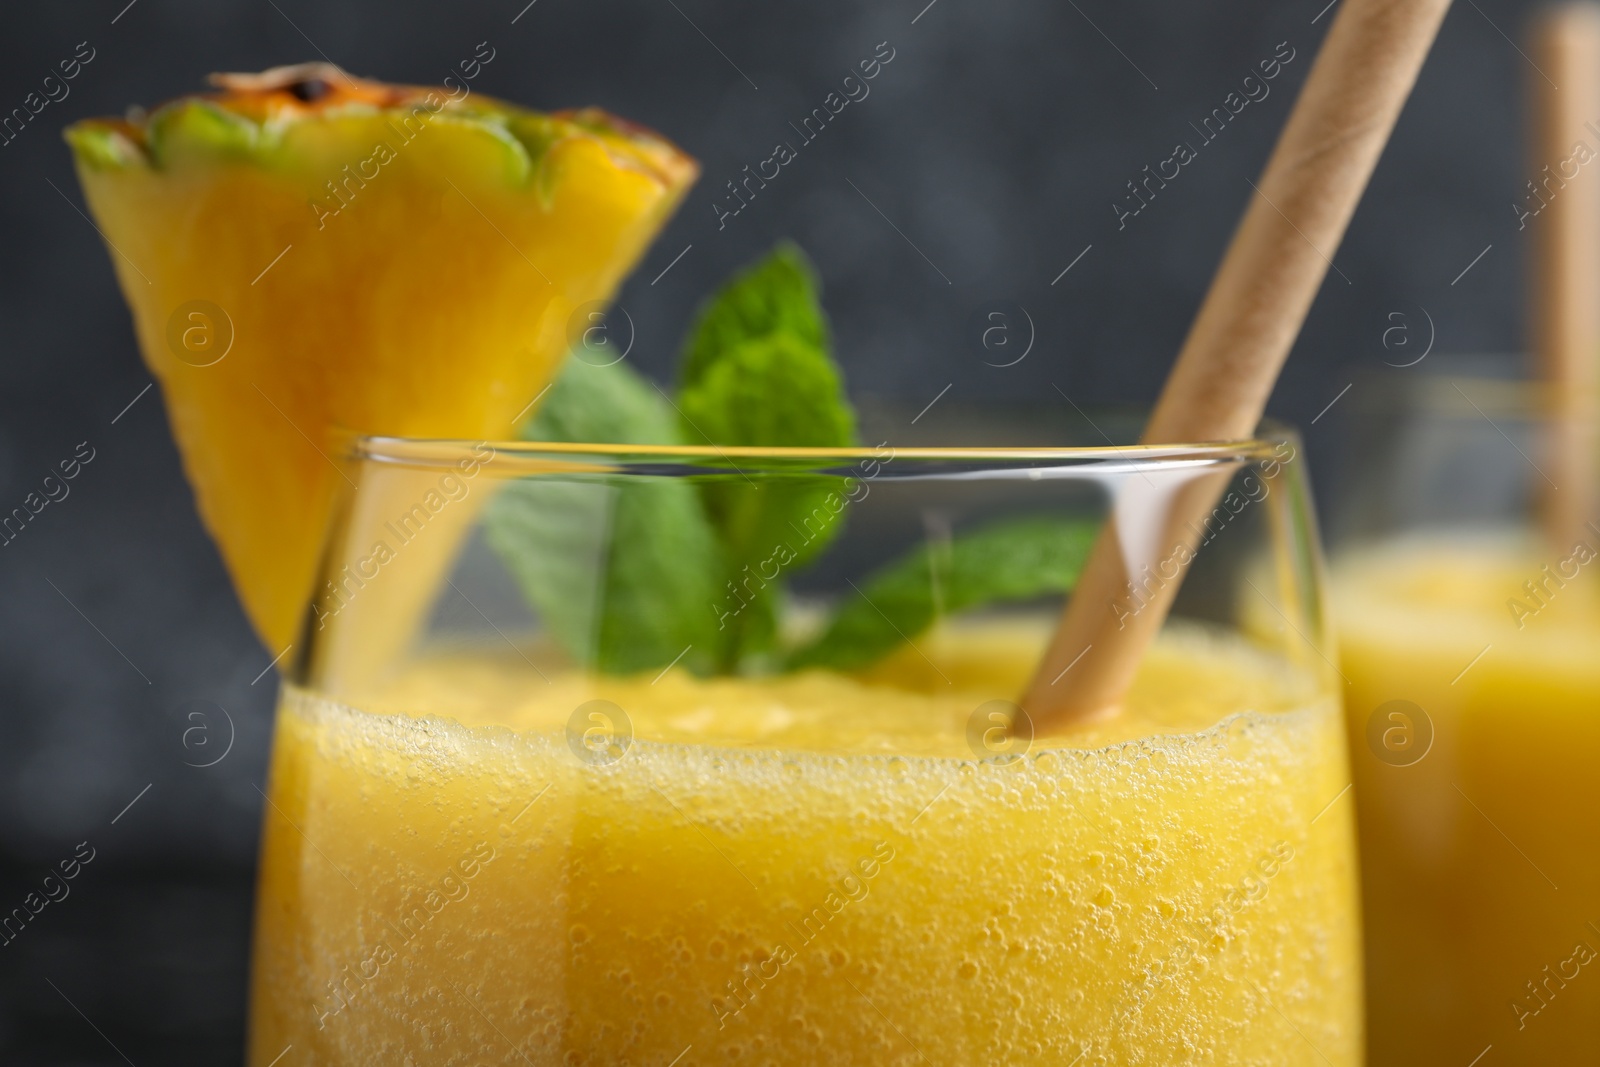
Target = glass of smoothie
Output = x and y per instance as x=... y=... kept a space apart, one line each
x=1471 y=643
x=511 y=821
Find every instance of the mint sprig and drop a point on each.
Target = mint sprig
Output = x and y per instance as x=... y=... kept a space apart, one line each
x=632 y=574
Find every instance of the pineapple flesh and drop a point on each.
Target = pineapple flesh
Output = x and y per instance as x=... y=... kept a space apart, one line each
x=310 y=256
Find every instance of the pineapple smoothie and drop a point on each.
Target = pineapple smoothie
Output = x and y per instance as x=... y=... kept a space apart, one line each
x=1481 y=882
x=686 y=839
x=810 y=869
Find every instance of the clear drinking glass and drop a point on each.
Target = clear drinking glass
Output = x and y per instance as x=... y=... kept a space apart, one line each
x=1470 y=638
x=518 y=815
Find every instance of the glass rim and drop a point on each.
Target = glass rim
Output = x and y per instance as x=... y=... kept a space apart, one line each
x=442 y=453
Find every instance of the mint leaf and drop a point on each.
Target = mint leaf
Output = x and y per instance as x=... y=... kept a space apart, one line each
x=757 y=373
x=778 y=295
x=772 y=391
x=776 y=390
x=1012 y=560
x=624 y=572
x=613 y=404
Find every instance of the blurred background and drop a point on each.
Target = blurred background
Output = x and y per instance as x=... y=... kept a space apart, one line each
x=987 y=171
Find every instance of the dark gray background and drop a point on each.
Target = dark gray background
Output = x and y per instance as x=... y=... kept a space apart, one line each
x=995 y=141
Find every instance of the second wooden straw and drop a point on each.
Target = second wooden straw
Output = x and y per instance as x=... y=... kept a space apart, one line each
x=1565 y=303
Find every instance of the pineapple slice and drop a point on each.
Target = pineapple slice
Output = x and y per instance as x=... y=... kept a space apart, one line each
x=309 y=255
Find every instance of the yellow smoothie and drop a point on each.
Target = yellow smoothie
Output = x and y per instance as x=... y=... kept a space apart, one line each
x=812 y=869
x=1481 y=859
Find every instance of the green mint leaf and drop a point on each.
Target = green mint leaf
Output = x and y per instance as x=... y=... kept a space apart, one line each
x=623 y=576
x=777 y=295
x=1012 y=560
x=777 y=390
x=609 y=404
x=623 y=572
x=757 y=373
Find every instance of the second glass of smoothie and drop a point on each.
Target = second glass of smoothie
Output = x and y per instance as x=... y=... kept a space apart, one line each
x=1471 y=643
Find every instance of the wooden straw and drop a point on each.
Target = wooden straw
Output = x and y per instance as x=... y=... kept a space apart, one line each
x=1566 y=275
x=1219 y=386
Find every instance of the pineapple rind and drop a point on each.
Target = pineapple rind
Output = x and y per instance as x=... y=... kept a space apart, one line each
x=203 y=130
